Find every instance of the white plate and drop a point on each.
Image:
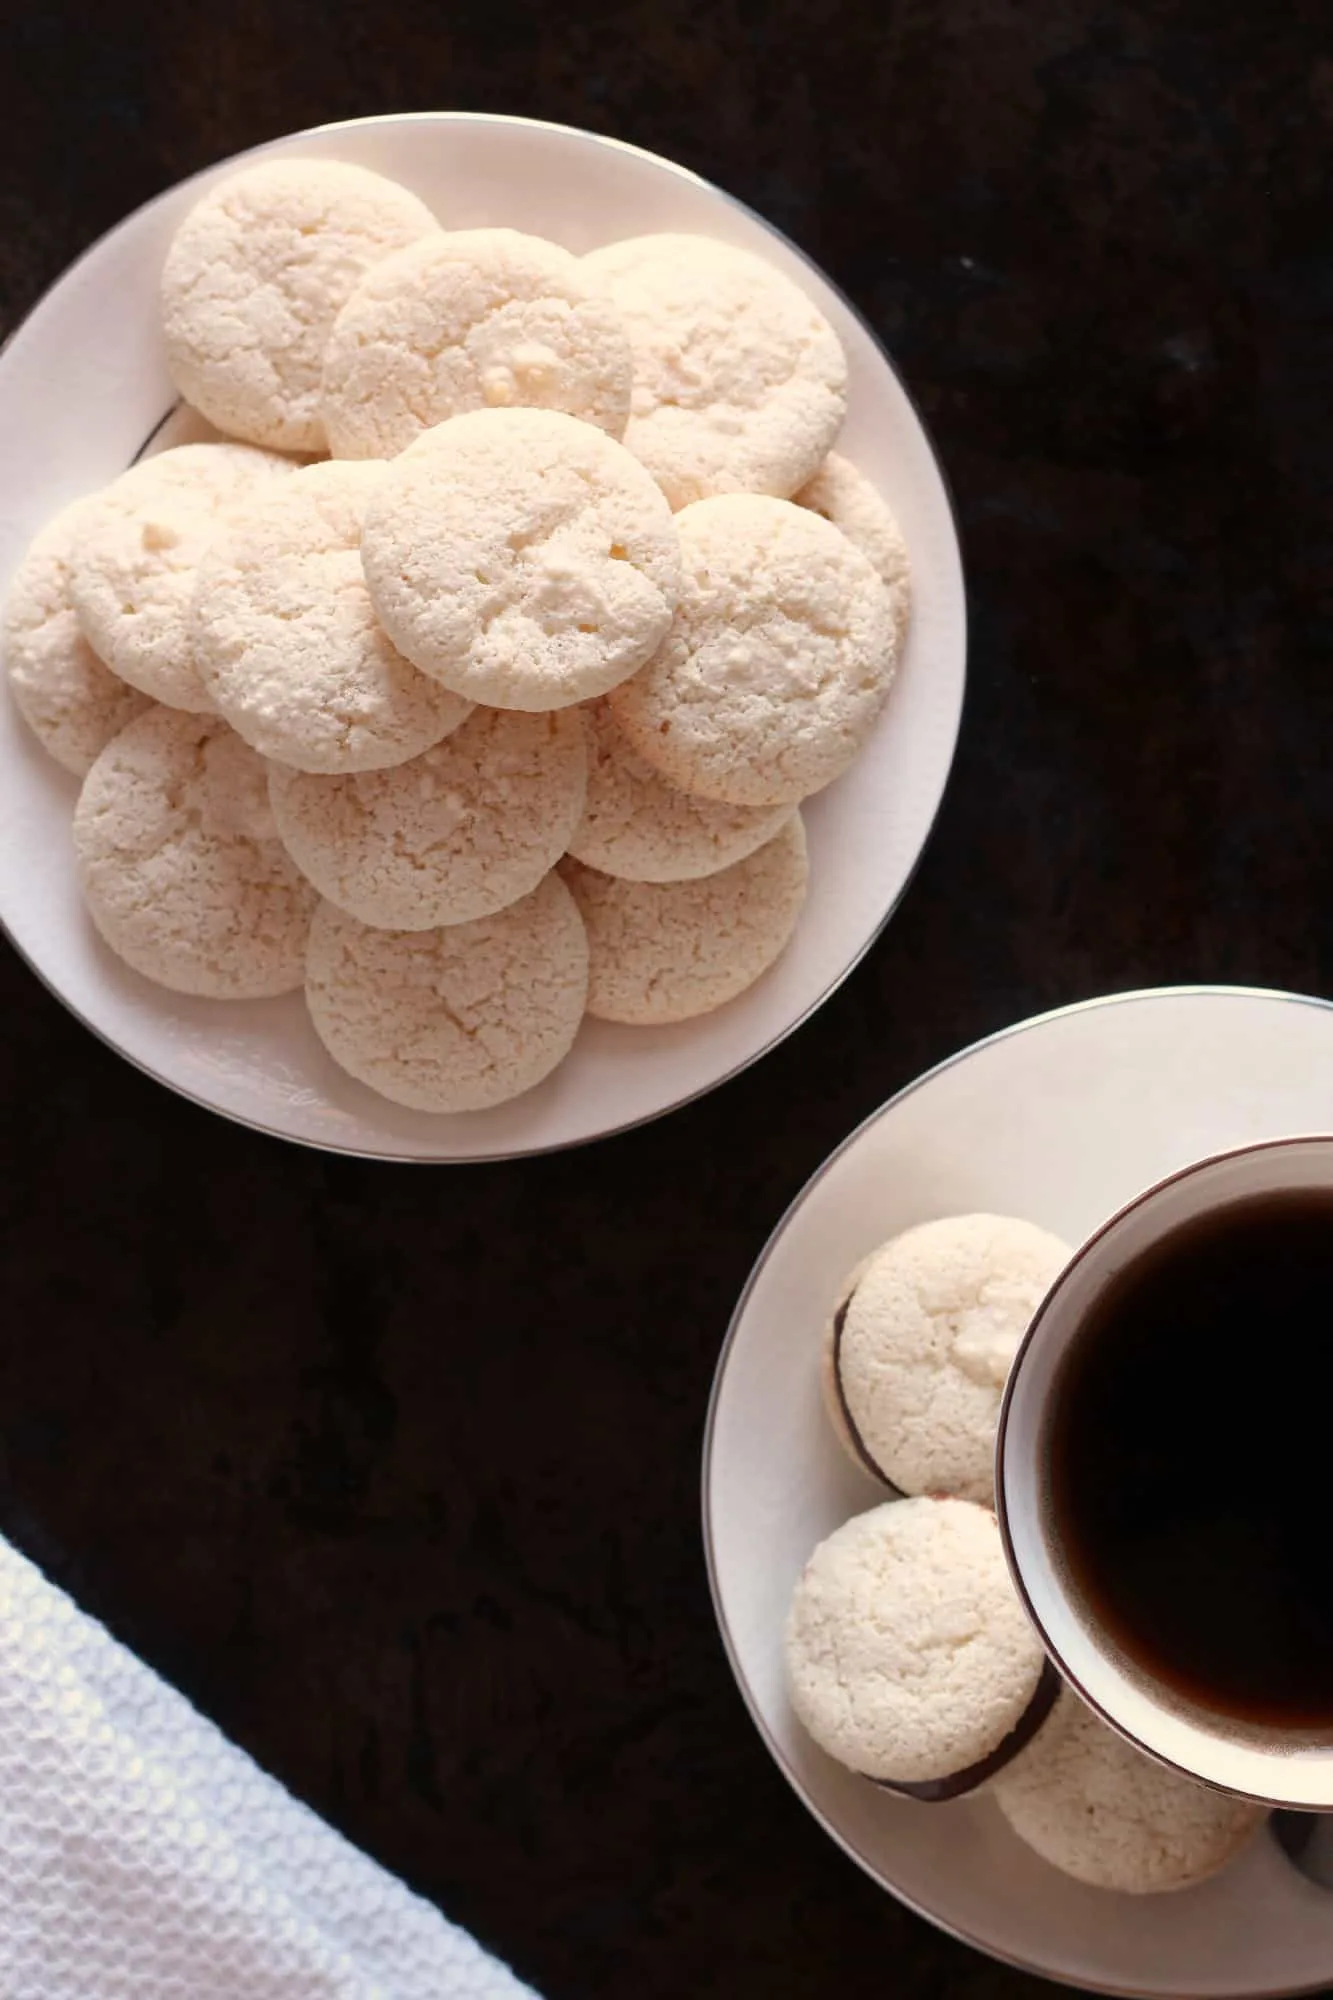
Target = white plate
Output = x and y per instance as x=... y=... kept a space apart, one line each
x=83 y=383
x=1060 y=1120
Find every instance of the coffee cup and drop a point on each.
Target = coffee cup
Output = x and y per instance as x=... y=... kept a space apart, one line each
x=1183 y=1354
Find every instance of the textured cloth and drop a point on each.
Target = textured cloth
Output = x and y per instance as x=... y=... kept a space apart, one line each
x=142 y=1854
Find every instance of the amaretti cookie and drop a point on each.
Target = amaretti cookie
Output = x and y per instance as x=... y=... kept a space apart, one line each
x=181 y=866
x=667 y=951
x=846 y=497
x=918 y=1348
x=779 y=658
x=740 y=383
x=471 y=319
x=135 y=560
x=639 y=826
x=909 y=1657
x=521 y=558
x=70 y=700
x=286 y=643
x=456 y=1019
x=464 y=829
x=254 y=278
x=1100 y=1810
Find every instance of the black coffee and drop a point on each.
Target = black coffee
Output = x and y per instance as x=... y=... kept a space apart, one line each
x=1191 y=1442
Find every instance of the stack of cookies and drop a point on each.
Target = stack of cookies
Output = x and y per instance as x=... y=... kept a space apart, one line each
x=470 y=667
x=910 y=1658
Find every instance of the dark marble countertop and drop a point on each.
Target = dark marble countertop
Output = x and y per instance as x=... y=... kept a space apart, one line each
x=395 y=1471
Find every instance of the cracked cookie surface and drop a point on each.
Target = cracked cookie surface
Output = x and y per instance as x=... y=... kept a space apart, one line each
x=455 y=1019
x=667 y=951
x=521 y=558
x=254 y=278
x=909 y=1656
x=637 y=825
x=779 y=659
x=467 y=828
x=740 y=383
x=846 y=497
x=180 y=863
x=135 y=560
x=920 y=1347
x=469 y=320
x=286 y=642
x=69 y=697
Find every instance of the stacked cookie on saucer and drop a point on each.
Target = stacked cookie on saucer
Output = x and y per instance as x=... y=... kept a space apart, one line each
x=910 y=1658
x=470 y=666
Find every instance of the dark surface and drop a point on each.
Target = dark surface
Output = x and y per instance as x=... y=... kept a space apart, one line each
x=395 y=1471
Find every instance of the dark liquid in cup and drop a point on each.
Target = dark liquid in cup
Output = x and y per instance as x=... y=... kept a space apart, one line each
x=1191 y=1440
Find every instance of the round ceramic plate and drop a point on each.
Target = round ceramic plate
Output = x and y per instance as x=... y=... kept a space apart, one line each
x=1060 y=1120
x=83 y=382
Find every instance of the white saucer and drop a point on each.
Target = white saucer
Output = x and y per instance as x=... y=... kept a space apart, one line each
x=1059 y=1120
x=83 y=383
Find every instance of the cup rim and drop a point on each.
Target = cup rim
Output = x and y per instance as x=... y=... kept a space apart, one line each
x=1031 y=1334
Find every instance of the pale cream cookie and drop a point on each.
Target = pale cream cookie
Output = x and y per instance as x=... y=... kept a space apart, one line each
x=521 y=558
x=180 y=863
x=455 y=1019
x=1100 y=1810
x=918 y=1349
x=464 y=829
x=254 y=278
x=909 y=1657
x=666 y=951
x=134 y=563
x=72 y=703
x=846 y=497
x=287 y=645
x=638 y=826
x=470 y=320
x=778 y=662
x=740 y=383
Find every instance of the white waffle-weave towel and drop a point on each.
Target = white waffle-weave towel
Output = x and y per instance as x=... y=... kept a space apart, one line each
x=142 y=1854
